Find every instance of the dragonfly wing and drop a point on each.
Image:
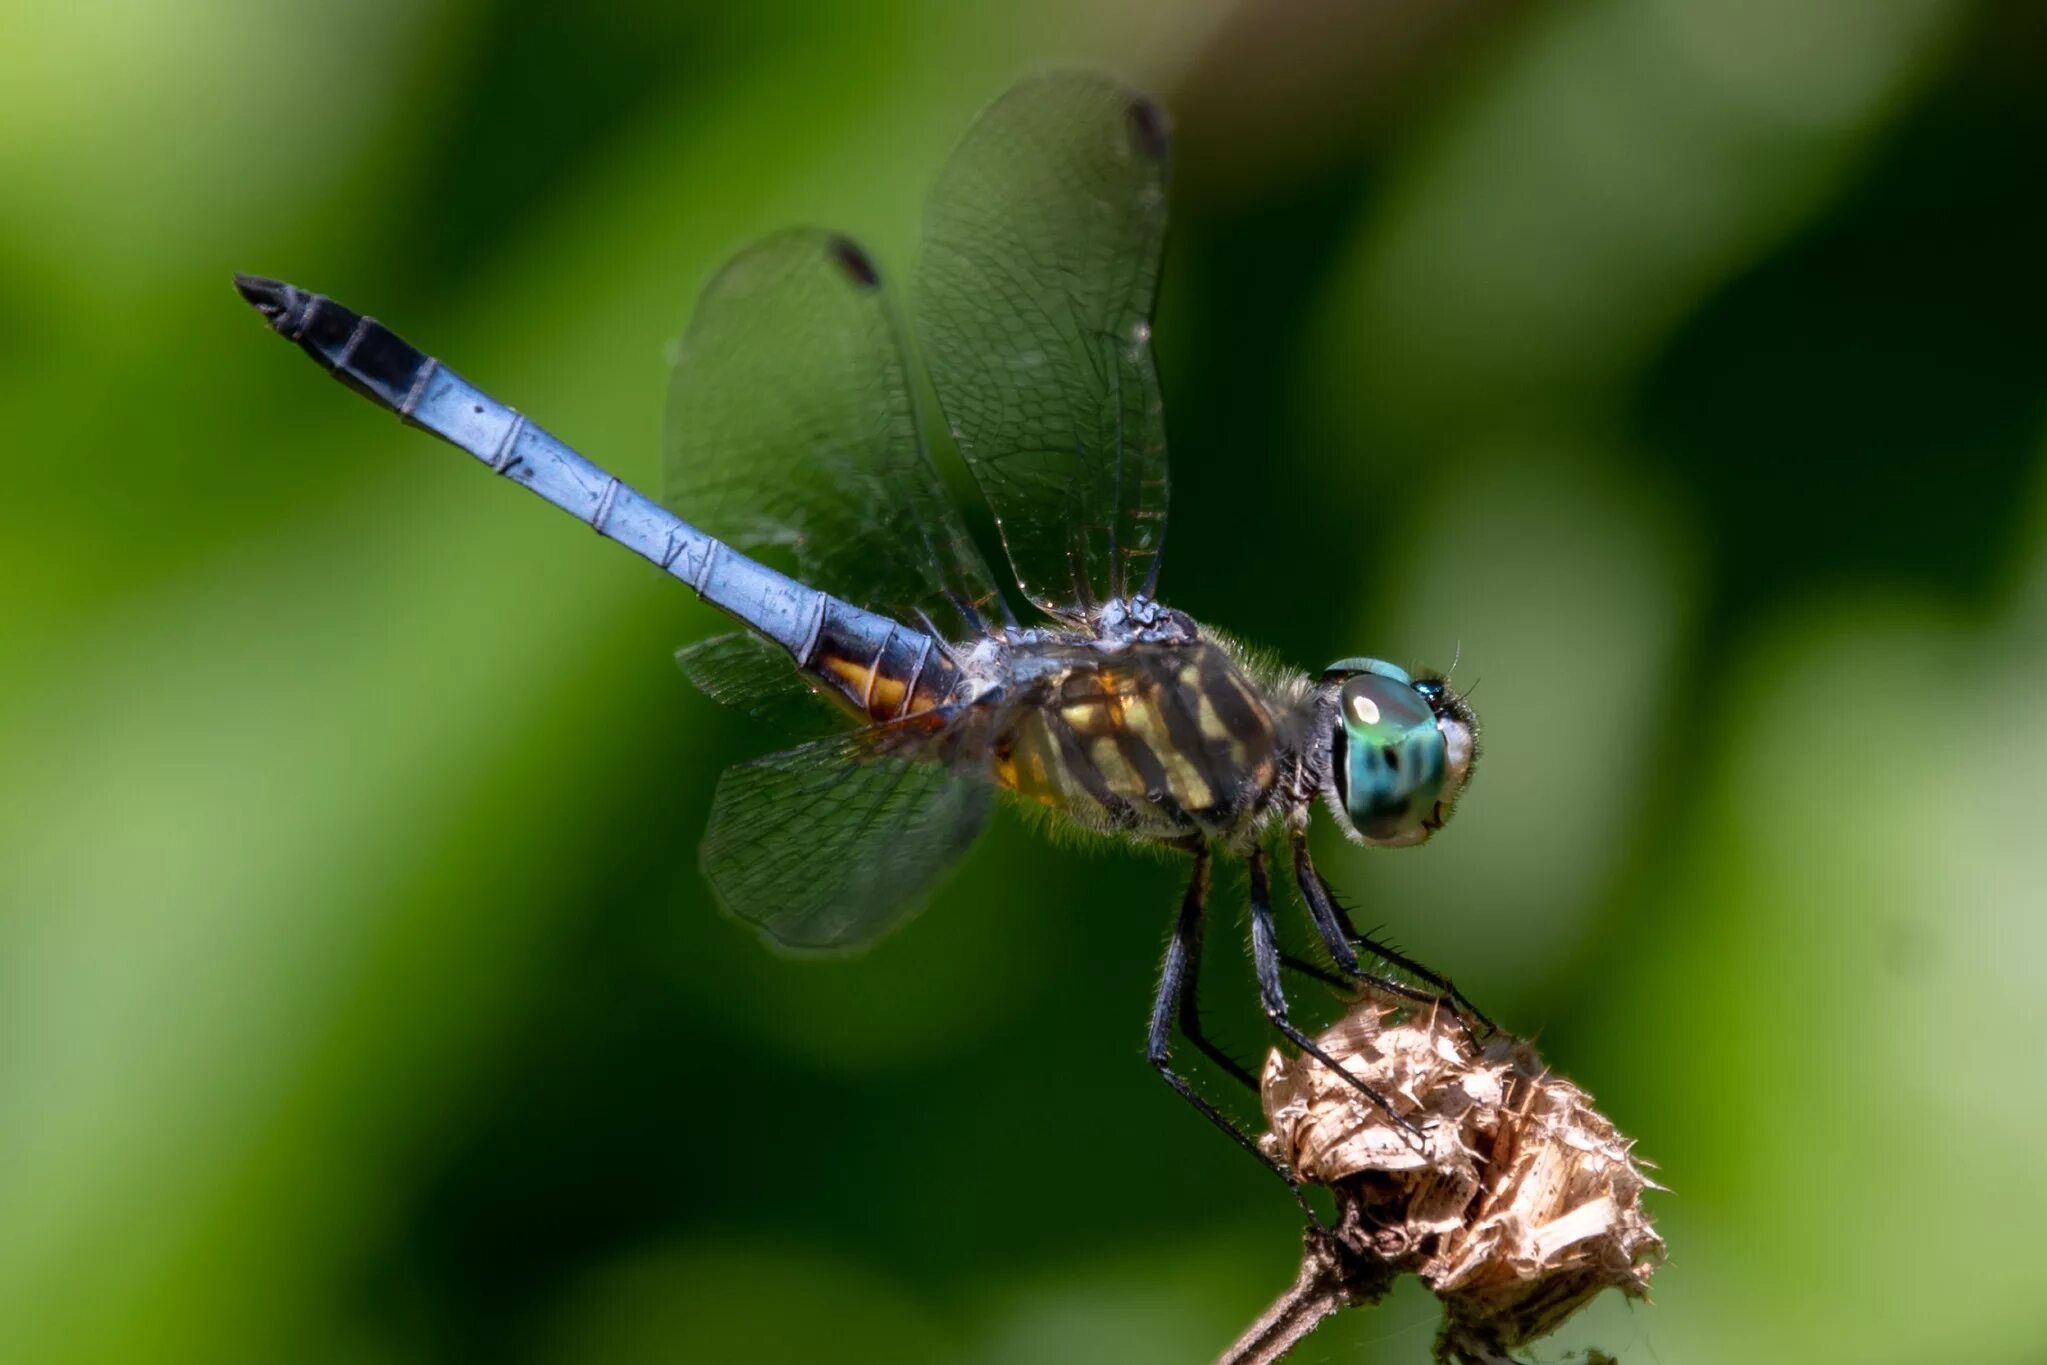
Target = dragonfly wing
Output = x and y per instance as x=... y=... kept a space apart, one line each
x=829 y=845
x=791 y=423
x=753 y=674
x=1033 y=305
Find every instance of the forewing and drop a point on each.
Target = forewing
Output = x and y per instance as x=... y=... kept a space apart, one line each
x=791 y=423
x=751 y=674
x=830 y=846
x=1033 y=306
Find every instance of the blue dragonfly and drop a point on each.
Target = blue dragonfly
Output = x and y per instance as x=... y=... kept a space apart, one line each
x=892 y=654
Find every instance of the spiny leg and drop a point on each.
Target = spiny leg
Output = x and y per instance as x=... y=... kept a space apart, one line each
x=1176 y=997
x=1338 y=982
x=1265 y=959
x=1333 y=924
x=1189 y=1011
x=1349 y=971
x=1313 y=972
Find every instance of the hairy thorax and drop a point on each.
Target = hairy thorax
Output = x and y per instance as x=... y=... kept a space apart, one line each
x=1145 y=728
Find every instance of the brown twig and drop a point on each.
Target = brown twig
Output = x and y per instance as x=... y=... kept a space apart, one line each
x=1330 y=1280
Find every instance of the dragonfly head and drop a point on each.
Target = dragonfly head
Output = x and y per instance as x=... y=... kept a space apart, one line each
x=1401 y=750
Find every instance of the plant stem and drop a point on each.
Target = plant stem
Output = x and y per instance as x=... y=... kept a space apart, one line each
x=1330 y=1279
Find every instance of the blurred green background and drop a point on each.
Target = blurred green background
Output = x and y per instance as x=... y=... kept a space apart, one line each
x=1683 y=364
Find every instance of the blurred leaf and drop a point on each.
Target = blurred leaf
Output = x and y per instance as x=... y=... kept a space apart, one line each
x=1609 y=167
x=726 y=1300
x=1564 y=590
x=1844 y=964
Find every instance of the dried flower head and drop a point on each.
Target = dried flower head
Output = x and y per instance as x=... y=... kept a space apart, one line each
x=1518 y=1202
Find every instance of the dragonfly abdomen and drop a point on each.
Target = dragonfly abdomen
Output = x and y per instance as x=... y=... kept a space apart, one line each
x=875 y=665
x=900 y=673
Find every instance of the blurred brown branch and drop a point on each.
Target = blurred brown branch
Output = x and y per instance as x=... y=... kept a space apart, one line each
x=1331 y=1279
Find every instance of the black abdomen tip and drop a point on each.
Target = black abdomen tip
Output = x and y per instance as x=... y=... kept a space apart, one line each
x=274 y=299
x=361 y=352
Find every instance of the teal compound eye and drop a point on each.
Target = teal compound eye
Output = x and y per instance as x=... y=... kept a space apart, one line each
x=1400 y=754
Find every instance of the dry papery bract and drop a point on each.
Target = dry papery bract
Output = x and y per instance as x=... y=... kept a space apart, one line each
x=1517 y=1203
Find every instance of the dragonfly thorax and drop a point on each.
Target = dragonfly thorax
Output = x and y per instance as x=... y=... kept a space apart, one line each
x=1140 y=619
x=1162 y=739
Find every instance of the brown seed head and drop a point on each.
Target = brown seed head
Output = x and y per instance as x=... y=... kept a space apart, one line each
x=1518 y=1204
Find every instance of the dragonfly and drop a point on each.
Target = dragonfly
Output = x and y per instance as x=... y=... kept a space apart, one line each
x=892 y=656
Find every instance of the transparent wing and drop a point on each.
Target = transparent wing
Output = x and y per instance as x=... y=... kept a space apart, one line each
x=1033 y=307
x=829 y=846
x=791 y=423
x=751 y=674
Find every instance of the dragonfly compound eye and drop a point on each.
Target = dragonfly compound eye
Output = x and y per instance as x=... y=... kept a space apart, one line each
x=1392 y=759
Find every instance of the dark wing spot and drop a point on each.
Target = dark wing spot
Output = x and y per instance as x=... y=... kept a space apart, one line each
x=1392 y=756
x=854 y=261
x=1148 y=128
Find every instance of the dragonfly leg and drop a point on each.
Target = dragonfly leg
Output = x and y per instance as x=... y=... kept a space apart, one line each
x=1189 y=1008
x=1338 y=982
x=1176 y=999
x=1272 y=995
x=1303 y=967
x=1333 y=925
